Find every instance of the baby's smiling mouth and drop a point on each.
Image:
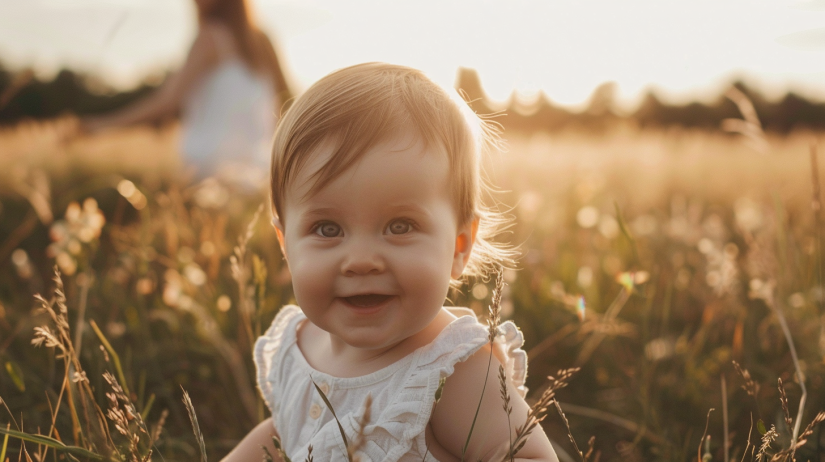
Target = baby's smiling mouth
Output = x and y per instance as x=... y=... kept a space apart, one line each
x=367 y=300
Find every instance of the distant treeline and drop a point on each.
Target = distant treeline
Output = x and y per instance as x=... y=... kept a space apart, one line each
x=791 y=112
x=24 y=97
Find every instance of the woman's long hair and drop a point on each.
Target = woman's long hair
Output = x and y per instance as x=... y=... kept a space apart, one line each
x=254 y=47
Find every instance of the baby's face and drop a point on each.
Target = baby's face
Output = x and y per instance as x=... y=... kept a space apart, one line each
x=372 y=253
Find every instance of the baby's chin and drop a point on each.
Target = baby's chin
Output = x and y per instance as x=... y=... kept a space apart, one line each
x=379 y=340
x=373 y=340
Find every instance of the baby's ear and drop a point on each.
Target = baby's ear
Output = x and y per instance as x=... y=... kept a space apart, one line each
x=463 y=247
x=279 y=231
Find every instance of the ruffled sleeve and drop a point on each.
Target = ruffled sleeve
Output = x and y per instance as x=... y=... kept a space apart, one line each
x=508 y=348
x=508 y=345
x=267 y=353
x=398 y=433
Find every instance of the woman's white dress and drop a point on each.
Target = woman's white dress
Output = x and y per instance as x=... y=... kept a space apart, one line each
x=229 y=119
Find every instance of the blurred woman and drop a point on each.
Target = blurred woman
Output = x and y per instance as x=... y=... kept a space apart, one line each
x=229 y=92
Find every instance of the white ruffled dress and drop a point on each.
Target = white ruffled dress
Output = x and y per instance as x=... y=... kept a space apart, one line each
x=402 y=393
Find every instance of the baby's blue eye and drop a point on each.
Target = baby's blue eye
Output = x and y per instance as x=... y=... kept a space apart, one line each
x=399 y=227
x=328 y=230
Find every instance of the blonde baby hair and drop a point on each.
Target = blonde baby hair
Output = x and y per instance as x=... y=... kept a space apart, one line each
x=358 y=107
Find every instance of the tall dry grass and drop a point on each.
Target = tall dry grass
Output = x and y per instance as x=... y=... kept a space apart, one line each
x=652 y=261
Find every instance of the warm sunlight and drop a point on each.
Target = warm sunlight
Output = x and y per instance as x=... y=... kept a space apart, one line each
x=245 y=230
x=687 y=50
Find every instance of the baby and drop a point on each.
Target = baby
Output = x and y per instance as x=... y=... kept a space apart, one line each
x=377 y=201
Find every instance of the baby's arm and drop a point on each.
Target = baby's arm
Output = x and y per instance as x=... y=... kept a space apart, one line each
x=453 y=416
x=249 y=449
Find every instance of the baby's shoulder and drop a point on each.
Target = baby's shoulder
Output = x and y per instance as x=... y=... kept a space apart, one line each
x=464 y=346
x=475 y=387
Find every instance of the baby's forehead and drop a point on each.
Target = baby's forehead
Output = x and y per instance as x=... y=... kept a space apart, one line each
x=399 y=171
x=331 y=158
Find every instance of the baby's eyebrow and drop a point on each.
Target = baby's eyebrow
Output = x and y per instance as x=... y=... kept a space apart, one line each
x=408 y=207
x=320 y=211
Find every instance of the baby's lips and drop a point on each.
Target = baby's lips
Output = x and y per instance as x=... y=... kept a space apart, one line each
x=366 y=300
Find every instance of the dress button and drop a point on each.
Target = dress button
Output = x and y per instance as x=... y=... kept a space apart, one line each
x=315 y=411
x=324 y=387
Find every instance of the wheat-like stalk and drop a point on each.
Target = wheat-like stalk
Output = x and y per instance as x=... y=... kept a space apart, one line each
x=438 y=392
x=789 y=453
x=155 y=435
x=360 y=439
x=749 y=125
x=768 y=438
x=493 y=322
x=783 y=399
x=799 y=373
x=750 y=387
x=190 y=408
x=494 y=318
x=809 y=430
x=505 y=403
x=75 y=381
x=567 y=426
x=279 y=448
x=240 y=273
x=538 y=411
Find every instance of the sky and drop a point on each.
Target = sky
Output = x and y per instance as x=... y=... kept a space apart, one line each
x=685 y=50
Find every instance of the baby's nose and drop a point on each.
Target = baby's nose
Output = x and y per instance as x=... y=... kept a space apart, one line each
x=363 y=258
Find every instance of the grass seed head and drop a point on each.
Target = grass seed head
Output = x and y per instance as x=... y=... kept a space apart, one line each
x=783 y=398
x=494 y=318
x=505 y=395
x=360 y=438
x=768 y=438
x=751 y=387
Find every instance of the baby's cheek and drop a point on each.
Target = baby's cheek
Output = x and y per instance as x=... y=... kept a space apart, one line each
x=427 y=273
x=310 y=280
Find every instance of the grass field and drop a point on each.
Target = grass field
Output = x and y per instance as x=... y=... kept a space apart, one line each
x=689 y=249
